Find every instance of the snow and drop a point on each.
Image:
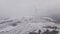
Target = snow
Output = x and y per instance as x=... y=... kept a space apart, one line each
x=28 y=24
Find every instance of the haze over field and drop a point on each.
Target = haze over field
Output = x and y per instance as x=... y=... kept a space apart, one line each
x=29 y=7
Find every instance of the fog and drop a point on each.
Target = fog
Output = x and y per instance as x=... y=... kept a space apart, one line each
x=29 y=7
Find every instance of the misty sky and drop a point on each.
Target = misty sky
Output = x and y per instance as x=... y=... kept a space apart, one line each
x=29 y=7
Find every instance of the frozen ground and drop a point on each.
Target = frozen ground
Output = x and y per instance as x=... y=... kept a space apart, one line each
x=25 y=25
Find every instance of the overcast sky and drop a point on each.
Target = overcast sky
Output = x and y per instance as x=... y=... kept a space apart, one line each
x=29 y=7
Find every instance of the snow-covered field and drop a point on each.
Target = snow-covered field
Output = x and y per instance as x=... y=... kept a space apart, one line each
x=25 y=25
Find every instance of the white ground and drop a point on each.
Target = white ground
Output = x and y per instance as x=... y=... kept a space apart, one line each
x=31 y=24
